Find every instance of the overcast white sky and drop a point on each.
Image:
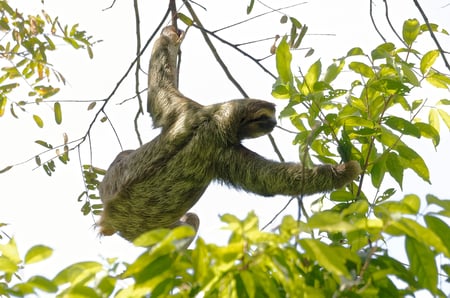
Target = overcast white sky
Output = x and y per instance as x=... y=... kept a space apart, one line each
x=42 y=209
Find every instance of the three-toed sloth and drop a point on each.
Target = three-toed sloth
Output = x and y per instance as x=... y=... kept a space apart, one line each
x=155 y=185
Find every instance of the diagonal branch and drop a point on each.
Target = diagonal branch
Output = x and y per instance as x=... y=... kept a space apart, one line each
x=433 y=36
x=213 y=50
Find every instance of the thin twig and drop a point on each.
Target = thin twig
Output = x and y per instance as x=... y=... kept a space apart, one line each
x=433 y=36
x=373 y=21
x=257 y=16
x=275 y=147
x=137 y=71
x=278 y=214
x=257 y=61
x=386 y=9
x=213 y=50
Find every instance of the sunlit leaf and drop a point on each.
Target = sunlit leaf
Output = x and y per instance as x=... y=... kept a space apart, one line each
x=326 y=256
x=38 y=253
x=411 y=29
x=395 y=168
x=433 y=119
x=422 y=263
x=333 y=71
x=7 y=266
x=355 y=52
x=410 y=75
x=38 y=121
x=383 y=51
x=9 y=250
x=410 y=227
x=428 y=131
x=438 y=80
x=361 y=69
x=402 y=126
x=58 y=113
x=42 y=283
x=378 y=170
x=311 y=77
x=77 y=272
x=445 y=117
x=3 y=101
x=428 y=60
x=283 y=61
x=185 y=19
x=440 y=228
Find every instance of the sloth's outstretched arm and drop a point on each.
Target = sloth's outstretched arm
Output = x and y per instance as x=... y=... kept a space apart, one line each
x=165 y=103
x=251 y=172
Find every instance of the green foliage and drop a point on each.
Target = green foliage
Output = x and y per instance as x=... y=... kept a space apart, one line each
x=360 y=107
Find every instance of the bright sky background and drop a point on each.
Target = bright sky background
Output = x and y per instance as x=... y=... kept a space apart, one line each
x=44 y=210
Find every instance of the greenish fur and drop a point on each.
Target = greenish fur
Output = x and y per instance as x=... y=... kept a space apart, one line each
x=156 y=184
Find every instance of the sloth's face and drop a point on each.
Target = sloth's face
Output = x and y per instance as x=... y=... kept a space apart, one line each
x=258 y=120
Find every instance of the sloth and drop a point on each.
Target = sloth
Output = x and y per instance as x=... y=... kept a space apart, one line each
x=155 y=185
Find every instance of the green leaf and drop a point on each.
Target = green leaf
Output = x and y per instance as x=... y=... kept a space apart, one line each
x=412 y=160
x=283 y=59
x=410 y=75
x=250 y=6
x=401 y=125
x=38 y=121
x=327 y=256
x=42 y=143
x=422 y=263
x=38 y=253
x=383 y=51
x=311 y=77
x=428 y=131
x=362 y=69
x=249 y=283
x=58 y=113
x=42 y=284
x=333 y=71
x=284 y=19
x=355 y=52
x=7 y=266
x=185 y=19
x=77 y=272
x=411 y=29
x=444 y=204
x=428 y=60
x=3 y=101
x=395 y=168
x=9 y=250
x=378 y=170
x=445 y=117
x=410 y=204
x=341 y=196
x=407 y=156
x=438 y=80
x=440 y=228
x=433 y=119
x=355 y=121
x=411 y=228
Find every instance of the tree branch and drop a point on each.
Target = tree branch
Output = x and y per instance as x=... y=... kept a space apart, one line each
x=433 y=36
x=213 y=49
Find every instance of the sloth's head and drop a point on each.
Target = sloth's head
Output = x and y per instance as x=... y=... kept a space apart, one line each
x=257 y=119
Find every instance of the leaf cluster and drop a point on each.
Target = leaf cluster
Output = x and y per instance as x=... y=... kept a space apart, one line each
x=25 y=44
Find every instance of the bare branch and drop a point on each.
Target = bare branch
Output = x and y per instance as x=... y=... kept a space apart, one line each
x=373 y=21
x=433 y=36
x=213 y=49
